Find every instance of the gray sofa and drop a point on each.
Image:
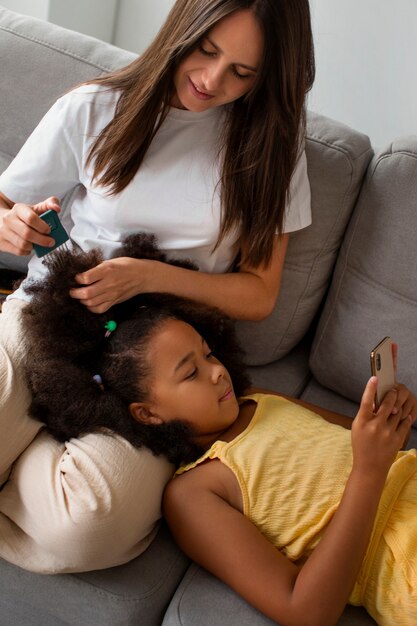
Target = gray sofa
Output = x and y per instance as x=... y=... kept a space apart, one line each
x=350 y=279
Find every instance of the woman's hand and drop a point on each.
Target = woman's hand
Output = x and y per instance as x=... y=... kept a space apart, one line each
x=377 y=436
x=111 y=282
x=21 y=227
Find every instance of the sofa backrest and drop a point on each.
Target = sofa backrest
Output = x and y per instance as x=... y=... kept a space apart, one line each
x=39 y=62
x=337 y=159
x=374 y=289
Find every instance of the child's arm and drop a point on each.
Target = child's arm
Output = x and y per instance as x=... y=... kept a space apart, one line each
x=218 y=537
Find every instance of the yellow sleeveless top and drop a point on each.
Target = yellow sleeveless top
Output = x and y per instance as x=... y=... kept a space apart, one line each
x=292 y=467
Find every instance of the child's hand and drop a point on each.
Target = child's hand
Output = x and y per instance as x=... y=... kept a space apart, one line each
x=406 y=402
x=406 y=405
x=377 y=436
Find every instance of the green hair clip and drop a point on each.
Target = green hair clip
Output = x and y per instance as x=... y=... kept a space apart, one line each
x=110 y=327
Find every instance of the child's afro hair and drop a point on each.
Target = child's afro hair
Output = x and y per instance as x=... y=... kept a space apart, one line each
x=67 y=347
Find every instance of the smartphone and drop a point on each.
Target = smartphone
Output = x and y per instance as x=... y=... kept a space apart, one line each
x=58 y=233
x=382 y=366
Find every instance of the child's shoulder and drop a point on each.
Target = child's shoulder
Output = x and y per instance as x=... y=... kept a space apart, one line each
x=210 y=477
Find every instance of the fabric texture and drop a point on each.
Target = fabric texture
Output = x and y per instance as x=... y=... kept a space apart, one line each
x=17 y=429
x=292 y=467
x=373 y=293
x=282 y=440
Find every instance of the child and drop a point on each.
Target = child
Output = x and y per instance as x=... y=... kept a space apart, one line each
x=295 y=513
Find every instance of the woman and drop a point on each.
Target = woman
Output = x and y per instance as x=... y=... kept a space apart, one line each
x=198 y=141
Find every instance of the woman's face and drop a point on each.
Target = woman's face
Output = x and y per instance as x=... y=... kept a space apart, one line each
x=187 y=383
x=224 y=65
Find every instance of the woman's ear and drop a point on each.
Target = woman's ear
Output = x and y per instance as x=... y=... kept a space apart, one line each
x=142 y=413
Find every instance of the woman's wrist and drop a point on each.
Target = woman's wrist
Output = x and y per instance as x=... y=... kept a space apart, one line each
x=145 y=272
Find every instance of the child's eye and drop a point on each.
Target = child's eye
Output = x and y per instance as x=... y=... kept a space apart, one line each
x=210 y=354
x=192 y=375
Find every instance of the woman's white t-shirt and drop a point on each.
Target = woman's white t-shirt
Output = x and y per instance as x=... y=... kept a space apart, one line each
x=174 y=194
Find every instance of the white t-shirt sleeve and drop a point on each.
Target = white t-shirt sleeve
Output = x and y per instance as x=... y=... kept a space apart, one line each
x=298 y=211
x=49 y=162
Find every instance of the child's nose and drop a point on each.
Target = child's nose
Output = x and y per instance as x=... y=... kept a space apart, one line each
x=217 y=373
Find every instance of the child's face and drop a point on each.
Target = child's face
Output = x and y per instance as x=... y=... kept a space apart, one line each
x=187 y=383
x=223 y=67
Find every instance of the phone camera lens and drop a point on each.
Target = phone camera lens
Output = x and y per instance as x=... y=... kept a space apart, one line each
x=378 y=361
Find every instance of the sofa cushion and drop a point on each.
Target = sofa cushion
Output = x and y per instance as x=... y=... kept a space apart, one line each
x=42 y=63
x=337 y=158
x=202 y=599
x=314 y=393
x=4 y=161
x=135 y=593
x=373 y=292
x=288 y=375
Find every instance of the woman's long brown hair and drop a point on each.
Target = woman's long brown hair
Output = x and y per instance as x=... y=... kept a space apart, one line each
x=264 y=129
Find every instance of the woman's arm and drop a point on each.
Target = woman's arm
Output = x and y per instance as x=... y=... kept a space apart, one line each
x=21 y=227
x=222 y=540
x=248 y=294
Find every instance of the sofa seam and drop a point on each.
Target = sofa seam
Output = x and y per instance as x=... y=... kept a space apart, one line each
x=307 y=284
x=191 y=577
x=372 y=282
x=56 y=48
x=383 y=157
x=128 y=599
x=340 y=149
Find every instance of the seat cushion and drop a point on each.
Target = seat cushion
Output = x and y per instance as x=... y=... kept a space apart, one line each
x=337 y=158
x=135 y=593
x=288 y=375
x=202 y=599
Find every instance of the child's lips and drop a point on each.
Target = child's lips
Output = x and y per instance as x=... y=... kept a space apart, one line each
x=226 y=396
